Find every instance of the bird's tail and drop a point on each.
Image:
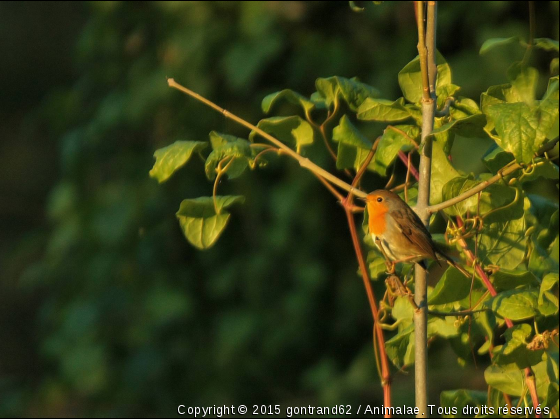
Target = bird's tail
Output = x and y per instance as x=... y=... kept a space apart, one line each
x=455 y=265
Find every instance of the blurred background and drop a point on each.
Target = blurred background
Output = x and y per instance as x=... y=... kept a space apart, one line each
x=105 y=309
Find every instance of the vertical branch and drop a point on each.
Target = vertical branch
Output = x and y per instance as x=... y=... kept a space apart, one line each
x=420 y=282
x=431 y=44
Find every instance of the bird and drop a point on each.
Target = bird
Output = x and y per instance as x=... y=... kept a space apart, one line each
x=399 y=233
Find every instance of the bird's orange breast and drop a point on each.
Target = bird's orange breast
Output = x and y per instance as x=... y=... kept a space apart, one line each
x=377 y=223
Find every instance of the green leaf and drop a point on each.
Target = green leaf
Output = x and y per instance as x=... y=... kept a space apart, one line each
x=383 y=110
x=543 y=169
x=376 y=264
x=452 y=286
x=496 y=158
x=293 y=131
x=445 y=328
x=410 y=79
x=497 y=95
x=546 y=44
x=226 y=146
x=524 y=80
x=471 y=126
x=462 y=399
x=171 y=158
x=287 y=95
x=492 y=43
x=442 y=172
x=199 y=221
x=352 y=91
x=391 y=143
x=509 y=280
x=516 y=304
x=521 y=128
x=400 y=348
x=347 y=133
x=509 y=381
x=515 y=337
x=548 y=300
x=402 y=311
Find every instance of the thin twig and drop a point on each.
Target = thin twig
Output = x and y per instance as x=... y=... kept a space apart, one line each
x=304 y=162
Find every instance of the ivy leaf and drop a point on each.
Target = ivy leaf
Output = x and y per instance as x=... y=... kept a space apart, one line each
x=442 y=172
x=524 y=80
x=293 y=131
x=496 y=158
x=499 y=94
x=200 y=223
x=352 y=91
x=410 y=79
x=548 y=300
x=400 y=348
x=289 y=96
x=516 y=304
x=515 y=337
x=391 y=143
x=546 y=44
x=509 y=381
x=225 y=146
x=169 y=159
x=509 y=280
x=461 y=398
x=492 y=43
x=353 y=146
x=383 y=110
x=452 y=286
x=521 y=128
x=471 y=126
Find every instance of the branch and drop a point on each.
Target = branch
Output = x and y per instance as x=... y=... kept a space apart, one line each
x=506 y=170
x=304 y=162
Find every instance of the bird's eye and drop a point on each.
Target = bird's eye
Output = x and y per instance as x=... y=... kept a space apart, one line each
x=379 y=199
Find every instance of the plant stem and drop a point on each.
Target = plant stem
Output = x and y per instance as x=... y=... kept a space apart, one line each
x=420 y=279
x=304 y=162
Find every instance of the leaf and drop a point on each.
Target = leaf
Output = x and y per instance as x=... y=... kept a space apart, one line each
x=492 y=43
x=287 y=95
x=509 y=280
x=521 y=129
x=391 y=143
x=548 y=301
x=169 y=159
x=461 y=399
x=383 y=110
x=347 y=133
x=402 y=311
x=445 y=328
x=524 y=80
x=376 y=265
x=410 y=79
x=516 y=304
x=353 y=146
x=546 y=44
x=515 y=337
x=452 y=286
x=505 y=380
x=471 y=126
x=442 y=173
x=400 y=348
x=352 y=91
x=496 y=158
x=497 y=95
x=225 y=146
x=200 y=223
x=293 y=131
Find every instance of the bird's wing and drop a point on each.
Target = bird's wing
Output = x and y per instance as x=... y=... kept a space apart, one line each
x=414 y=230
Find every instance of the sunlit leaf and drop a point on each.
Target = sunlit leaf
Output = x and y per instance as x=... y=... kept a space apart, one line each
x=169 y=159
x=492 y=43
x=292 y=131
x=410 y=79
x=200 y=223
x=442 y=172
x=401 y=138
x=383 y=110
x=225 y=146
x=546 y=44
x=516 y=304
x=524 y=80
x=452 y=286
x=289 y=96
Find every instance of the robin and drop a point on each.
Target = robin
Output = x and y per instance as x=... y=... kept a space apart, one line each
x=399 y=233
